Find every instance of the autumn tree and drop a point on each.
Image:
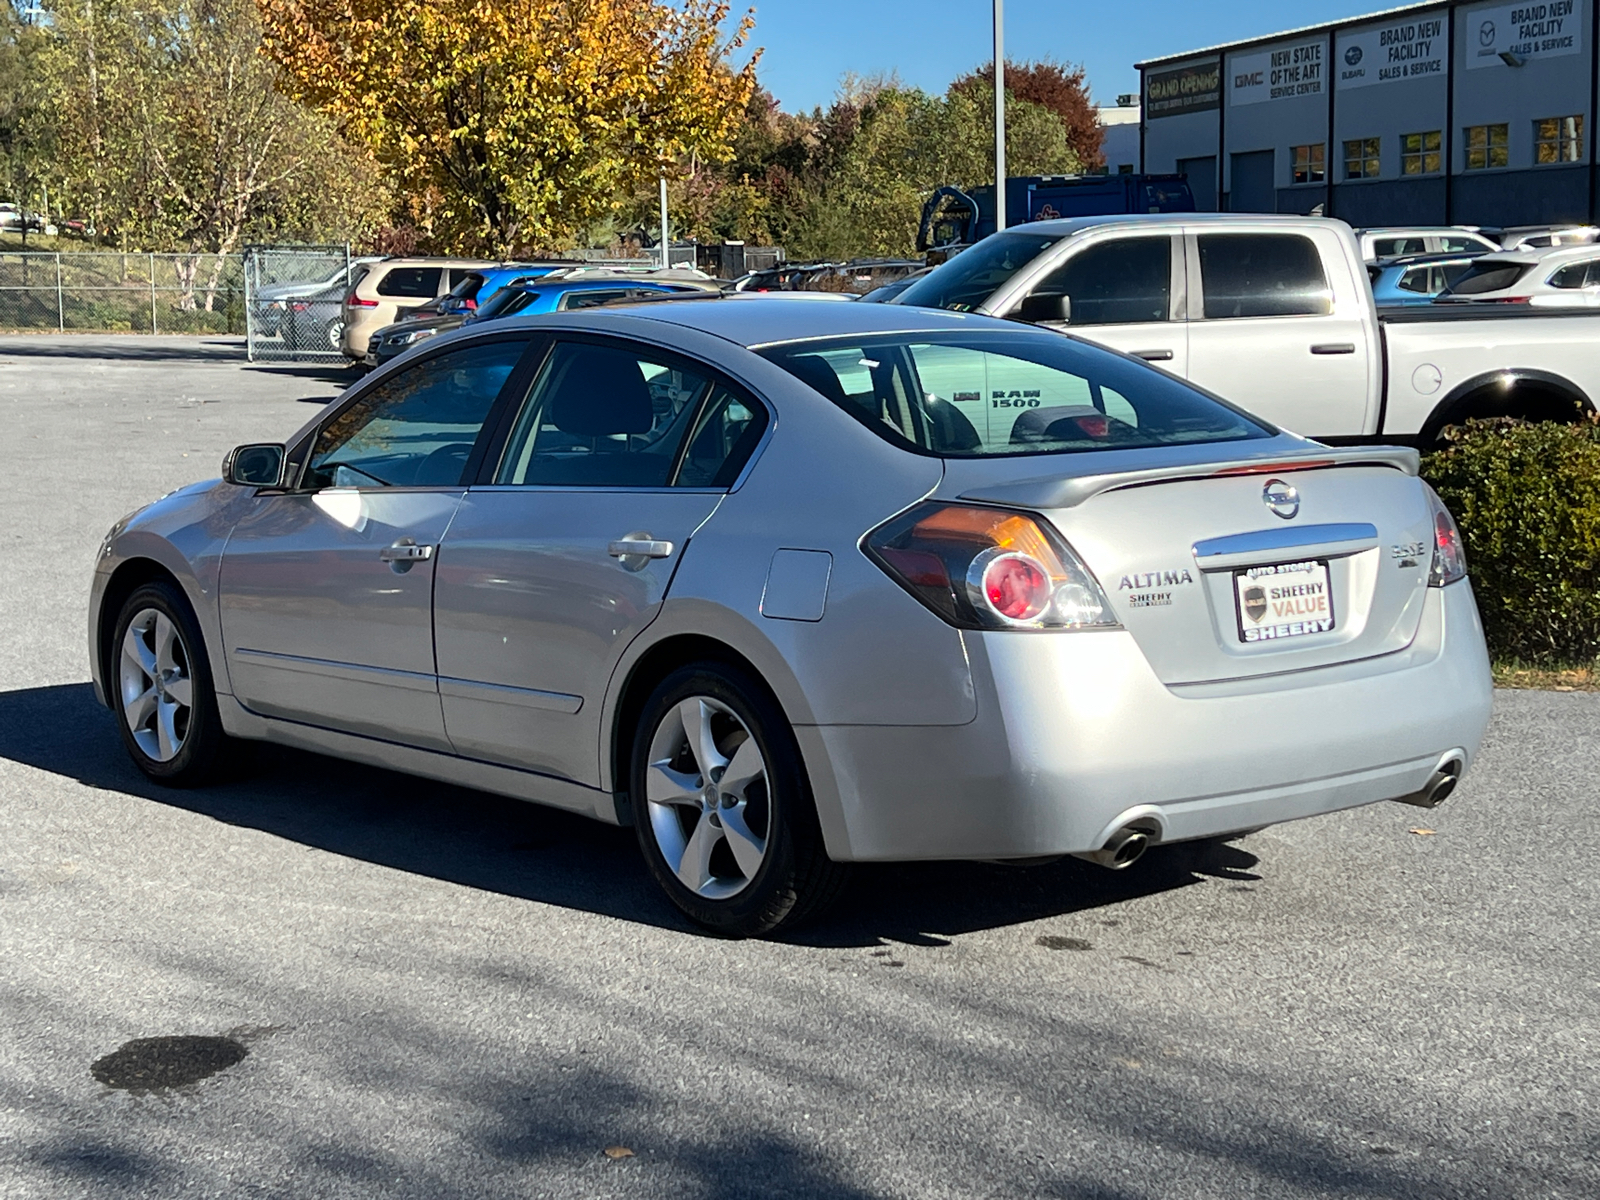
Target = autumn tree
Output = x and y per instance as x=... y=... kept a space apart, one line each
x=523 y=121
x=1059 y=87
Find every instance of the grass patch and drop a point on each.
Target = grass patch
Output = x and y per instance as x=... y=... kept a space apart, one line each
x=1513 y=673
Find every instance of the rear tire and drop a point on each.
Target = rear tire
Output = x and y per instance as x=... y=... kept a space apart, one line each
x=159 y=678
x=722 y=807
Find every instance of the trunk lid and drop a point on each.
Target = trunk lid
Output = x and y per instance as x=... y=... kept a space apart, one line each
x=1208 y=574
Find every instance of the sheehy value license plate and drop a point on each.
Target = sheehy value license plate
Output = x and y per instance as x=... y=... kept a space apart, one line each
x=1286 y=600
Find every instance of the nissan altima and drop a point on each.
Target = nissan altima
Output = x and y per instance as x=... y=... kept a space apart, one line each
x=786 y=586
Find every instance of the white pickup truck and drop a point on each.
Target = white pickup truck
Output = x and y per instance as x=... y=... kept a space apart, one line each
x=1275 y=313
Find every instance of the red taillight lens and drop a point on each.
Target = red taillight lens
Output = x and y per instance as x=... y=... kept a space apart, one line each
x=1449 y=554
x=357 y=302
x=989 y=568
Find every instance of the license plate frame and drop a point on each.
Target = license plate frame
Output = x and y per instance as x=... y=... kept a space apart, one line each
x=1304 y=610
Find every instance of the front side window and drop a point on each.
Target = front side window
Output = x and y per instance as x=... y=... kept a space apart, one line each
x=416 y=428
x=412 y=283
x=975 y=395
x=1125 y=281
x=1307 y=163
x=1558 y=140
x=1361 y=158
x=1420 y=154
x=971 y=277
x=1262 y=275
x=606 y=416
x=1488 y=146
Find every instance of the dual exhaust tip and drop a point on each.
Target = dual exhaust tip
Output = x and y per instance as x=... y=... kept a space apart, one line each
x=1440 y=784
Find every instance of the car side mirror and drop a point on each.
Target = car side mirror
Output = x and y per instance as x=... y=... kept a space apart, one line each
x=1046 y=307
x=258 y=465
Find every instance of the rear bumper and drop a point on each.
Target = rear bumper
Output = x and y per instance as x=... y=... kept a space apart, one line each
x=1075 y=735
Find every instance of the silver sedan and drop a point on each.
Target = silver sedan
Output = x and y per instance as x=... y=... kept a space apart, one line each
x=788 y=585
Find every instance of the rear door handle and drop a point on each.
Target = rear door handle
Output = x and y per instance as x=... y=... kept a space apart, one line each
x=1154 y=355
x=641 y=547
x=1334 y=348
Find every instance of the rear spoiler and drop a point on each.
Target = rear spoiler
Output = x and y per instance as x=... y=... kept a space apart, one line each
x=1074 y=490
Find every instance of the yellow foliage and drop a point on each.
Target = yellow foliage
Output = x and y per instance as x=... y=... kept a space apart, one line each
x=525 y=120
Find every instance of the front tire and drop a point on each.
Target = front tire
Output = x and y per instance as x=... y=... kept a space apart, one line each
x=161 y=687
x=722 y=808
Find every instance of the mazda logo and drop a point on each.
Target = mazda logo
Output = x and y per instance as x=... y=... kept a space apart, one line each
x=1281 y=498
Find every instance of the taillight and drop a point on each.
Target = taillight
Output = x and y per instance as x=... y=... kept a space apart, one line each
x=989 y=568
x=1449 y=555
x=355 y=301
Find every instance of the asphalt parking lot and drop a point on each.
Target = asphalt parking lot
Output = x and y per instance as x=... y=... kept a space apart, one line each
x=445 y=994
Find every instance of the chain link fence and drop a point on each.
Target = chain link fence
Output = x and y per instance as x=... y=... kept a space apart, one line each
x=99 y=291
x=294 y=301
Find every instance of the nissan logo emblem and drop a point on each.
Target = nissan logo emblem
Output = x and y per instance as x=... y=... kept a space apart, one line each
x=1281 y=498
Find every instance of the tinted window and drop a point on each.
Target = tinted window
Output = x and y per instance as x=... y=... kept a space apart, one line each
x=724 y=436
x=1119 y=282
x=1451 y=245
x=1262 y=275
x=1483 y=277
x=411 y=282
x=1389 y=247
x=591 y=299
x=1414 y=280
x=972 y=395
x=1570 y=276
x=506 y=301
x=467 y=287
x=602 y=416
x=417 y=427
x=972 y=276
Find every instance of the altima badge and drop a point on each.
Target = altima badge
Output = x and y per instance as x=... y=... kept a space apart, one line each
x=1281 y=498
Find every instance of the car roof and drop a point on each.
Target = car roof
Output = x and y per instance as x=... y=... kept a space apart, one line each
x=1065 y=226
x=1438 y=258
x=1392 y=230
x=770 y=318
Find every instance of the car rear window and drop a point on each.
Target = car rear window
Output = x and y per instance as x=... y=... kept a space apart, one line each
x=1483 y=277
x=972 y=276
x=411 y=282
x=975 y=395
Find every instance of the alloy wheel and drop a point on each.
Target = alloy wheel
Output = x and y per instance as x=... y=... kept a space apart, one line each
x=706 y=791
x=157 y=685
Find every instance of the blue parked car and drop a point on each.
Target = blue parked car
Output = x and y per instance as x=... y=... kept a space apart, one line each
x=1415 y=278
x=527 y=291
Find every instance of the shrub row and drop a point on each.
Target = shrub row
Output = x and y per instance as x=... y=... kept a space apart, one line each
x=1527 y=498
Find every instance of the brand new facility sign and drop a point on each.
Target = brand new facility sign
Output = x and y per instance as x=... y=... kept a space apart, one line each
x=1281 y=74
x=1196 y=88
x=1510 y=34
x=1392 y=53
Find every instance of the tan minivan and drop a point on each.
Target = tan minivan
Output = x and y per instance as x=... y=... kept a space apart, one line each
x=387 y=290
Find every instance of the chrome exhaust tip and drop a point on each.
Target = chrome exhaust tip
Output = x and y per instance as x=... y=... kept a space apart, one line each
x=1122 y=849
x=1440 y=784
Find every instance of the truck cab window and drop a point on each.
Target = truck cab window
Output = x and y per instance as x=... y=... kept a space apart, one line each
x=1262 y=275
x=1122 y=282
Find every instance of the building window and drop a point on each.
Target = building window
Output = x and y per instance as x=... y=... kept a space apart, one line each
x=1361 y=158
x=1307 y=163
x=1419 y=153
x=1486 y=147
x=1558 y=140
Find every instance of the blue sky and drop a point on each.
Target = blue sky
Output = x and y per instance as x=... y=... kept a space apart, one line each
x=811 y=43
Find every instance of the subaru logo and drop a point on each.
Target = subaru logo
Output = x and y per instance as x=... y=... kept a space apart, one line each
x=1353 y=55
x=1281 y=498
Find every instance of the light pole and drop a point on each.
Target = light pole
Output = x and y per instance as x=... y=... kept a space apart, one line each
x=666 y=246
x=999 y=116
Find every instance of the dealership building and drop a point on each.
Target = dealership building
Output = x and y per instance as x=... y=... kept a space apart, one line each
x=1477 y=114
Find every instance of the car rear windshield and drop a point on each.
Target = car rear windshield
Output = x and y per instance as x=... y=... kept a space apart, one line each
x=976 y=395
x=972 y=276
x=1483 y=277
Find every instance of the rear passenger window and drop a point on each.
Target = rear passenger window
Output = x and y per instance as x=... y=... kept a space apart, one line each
x=1454 y=245
x=1127 y=281
x=1390 y=247
x=417 y=283
x=1262 y=275
x=605 y=416
x=1415 y=280
x=1570 y=276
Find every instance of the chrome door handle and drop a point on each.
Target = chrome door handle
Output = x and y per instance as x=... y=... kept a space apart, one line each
x=1154 y=355
x=1334 y=348
x=639 y=547
x=404 y=554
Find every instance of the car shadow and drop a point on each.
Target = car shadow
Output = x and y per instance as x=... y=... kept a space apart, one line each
x=506 y=846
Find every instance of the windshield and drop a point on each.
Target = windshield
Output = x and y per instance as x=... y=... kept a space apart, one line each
x=972 y=276
x=975 y=395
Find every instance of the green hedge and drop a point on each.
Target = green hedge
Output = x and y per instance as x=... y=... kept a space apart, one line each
x=1527 y=498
